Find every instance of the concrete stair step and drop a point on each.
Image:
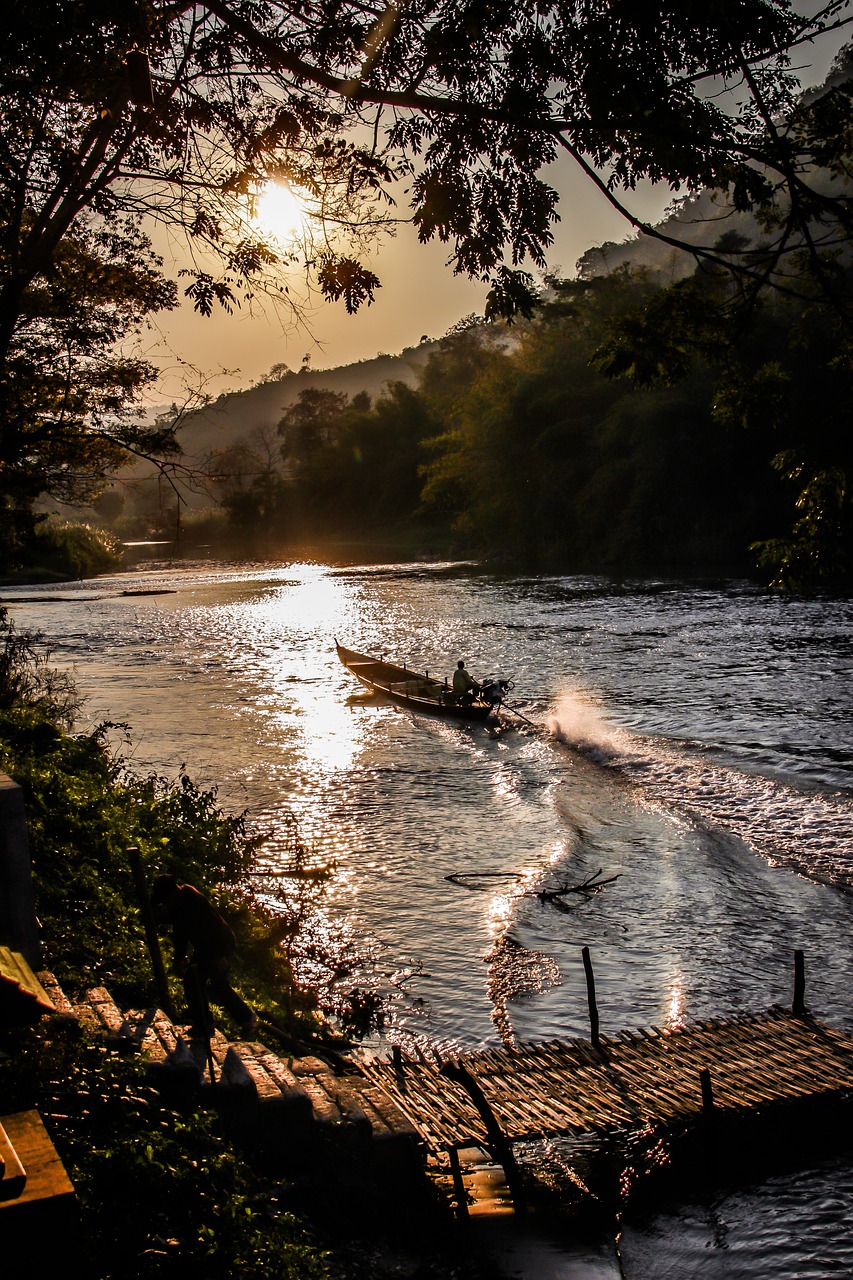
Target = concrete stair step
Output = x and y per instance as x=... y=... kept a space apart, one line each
x=266 y=1097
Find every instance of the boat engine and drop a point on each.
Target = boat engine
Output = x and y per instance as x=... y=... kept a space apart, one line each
x=493 y=690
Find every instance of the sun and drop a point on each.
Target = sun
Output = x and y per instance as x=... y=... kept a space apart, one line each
x=280 y=212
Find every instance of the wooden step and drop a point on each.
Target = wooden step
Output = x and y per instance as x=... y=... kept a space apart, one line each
x=61 y=1004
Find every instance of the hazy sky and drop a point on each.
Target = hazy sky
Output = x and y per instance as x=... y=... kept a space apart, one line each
x=419 y=293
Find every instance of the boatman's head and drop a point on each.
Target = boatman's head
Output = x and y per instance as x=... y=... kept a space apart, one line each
x=460 y=664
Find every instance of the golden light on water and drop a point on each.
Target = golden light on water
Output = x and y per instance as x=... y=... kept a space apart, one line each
x=331 y=735
x=501 y=906
x=281 y=212
x=313 y=604
x=675 y=1011
x=317 y=602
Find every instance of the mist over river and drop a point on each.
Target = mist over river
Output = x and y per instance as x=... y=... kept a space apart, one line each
x=691 y=742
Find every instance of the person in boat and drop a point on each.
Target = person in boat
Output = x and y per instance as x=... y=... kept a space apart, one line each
x=465 y=687
x=197 y=924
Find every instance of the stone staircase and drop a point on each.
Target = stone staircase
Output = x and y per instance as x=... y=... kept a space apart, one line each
x=279 y=1103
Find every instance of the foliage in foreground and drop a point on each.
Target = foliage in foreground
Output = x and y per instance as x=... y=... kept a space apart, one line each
x=162 y=1193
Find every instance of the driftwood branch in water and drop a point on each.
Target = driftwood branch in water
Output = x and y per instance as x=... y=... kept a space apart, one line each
x=586 y=889
x=459 y=878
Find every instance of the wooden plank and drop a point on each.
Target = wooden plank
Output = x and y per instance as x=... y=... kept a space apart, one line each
x=56 y=995
x=19 y=981
x=106 y=1010
x=265 y=1083
x=47 y=1180
x=140 y=1024
x=13 y=1175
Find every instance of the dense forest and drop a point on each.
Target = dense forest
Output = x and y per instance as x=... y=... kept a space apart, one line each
x=525 y=445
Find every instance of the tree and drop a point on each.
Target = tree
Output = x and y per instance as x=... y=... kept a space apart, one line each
x=66 y=387
x=544 y=460
x=467 y=102
x=478 y=97
x=247 y=479
x=783 y=373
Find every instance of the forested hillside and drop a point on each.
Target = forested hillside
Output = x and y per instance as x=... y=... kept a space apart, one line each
x=518 y=441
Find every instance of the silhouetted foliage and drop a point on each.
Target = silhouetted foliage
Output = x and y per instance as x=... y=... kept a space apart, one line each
x=544 y=459
x=516 y=438
x=782 y=384
x=469 y=103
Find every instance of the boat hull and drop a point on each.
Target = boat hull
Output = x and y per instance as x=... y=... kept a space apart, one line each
x=409 y=688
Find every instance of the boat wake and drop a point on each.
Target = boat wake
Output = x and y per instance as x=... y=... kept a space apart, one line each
x=810 y=831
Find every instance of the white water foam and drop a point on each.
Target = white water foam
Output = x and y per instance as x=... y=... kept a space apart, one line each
x=810 y=831
x=578 y=721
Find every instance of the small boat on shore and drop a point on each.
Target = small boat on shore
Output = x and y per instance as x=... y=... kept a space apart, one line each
x=419 y=691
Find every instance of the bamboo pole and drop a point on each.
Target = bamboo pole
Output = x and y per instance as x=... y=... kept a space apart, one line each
x=590 y=995
x=799 y=1006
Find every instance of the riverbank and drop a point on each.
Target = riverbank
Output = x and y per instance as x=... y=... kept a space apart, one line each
x=161 y=1189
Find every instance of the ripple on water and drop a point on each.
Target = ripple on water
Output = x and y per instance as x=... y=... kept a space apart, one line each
x=721 y=716
x=796 y=1227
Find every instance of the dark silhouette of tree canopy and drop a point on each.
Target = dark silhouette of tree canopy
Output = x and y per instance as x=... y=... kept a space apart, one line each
x=470 y=100
x=465 y=103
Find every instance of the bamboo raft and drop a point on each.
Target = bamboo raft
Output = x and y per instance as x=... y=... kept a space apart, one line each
x=636 y=1079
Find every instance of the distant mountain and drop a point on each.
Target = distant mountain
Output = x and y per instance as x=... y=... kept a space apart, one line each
x=700 y=220
x=703 y=218
x=235 y=414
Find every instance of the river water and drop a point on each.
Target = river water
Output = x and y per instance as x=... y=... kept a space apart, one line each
x=689 y=744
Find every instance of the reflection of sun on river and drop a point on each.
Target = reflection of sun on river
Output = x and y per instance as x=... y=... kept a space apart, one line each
x=329 y=736
x=722 y=734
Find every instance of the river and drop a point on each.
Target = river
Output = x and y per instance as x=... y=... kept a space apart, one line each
x=690 y=742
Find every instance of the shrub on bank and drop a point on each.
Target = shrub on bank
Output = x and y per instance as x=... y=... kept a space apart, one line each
x=84 y=812
x=85 y=809
x=59 y=551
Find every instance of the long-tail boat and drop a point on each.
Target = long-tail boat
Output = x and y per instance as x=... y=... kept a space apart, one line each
x=419 y=690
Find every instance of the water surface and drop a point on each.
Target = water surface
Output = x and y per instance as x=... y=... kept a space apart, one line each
x=690 y=743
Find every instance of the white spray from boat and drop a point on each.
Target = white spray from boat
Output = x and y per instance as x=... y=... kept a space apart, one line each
x=578 y=721
x=808 y=830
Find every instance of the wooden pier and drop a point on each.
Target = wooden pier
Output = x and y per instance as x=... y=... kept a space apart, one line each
x=635 y=1079
x=657 y=1081
x=780 y=1072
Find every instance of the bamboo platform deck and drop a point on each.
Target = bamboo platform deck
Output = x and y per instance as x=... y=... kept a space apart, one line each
x=635 y=1080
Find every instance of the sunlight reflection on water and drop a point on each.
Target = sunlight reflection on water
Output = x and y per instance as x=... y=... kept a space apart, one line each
x=680 y=736
x=703 y=734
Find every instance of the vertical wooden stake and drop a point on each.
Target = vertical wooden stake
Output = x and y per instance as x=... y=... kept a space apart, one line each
x=458 y=1185
x=150 y=926
x=499 y=1146
x=708 y=1123
x=590 y=995
x=798 y=1008
x=707 y=1093
x=399 y=1070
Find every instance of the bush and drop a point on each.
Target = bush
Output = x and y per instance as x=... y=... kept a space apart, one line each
x=85 y=809
x=70 y=551
x=162 y=1193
